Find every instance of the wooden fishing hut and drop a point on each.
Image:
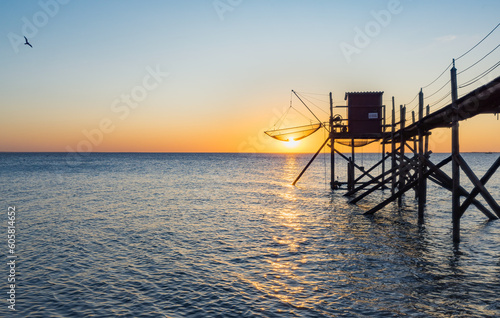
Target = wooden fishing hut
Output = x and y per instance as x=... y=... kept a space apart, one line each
x=365 y=124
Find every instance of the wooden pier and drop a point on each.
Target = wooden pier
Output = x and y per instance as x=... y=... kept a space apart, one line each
x=412 y=171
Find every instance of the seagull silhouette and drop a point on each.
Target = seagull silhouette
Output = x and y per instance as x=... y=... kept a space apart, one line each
x=27 y=43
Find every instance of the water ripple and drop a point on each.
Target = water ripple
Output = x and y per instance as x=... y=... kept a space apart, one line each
x=225 y=235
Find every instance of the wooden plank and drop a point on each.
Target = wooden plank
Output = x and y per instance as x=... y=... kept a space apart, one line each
x=368 y=192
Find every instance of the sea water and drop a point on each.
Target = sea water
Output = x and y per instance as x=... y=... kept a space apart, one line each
x=227 y=235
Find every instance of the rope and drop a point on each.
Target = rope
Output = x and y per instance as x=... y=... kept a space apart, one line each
x=282 y=118
x=302 y=114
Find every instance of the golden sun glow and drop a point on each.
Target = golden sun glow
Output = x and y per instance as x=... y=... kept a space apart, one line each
x=292 y=143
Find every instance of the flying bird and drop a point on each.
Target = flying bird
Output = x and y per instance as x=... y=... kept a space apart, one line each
x=27 y=43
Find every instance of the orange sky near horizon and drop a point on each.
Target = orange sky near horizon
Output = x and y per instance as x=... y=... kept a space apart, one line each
x=479 y=134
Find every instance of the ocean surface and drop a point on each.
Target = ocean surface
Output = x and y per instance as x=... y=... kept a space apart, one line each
x=226 y=235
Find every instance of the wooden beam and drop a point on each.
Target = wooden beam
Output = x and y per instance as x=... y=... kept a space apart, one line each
x=483 y=181
x=411 y=148
x=403 y=190
x=478 y=184
x=355 y=165
x=447 y=183
x=371 y=169
x=376 y=187
x=478 y=204
x=393 y=197
x=310 y=161
x=379 y=184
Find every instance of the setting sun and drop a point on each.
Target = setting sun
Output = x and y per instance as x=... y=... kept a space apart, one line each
x=292 y=143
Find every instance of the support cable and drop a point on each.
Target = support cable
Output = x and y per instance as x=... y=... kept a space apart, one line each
x=479 y=60
x=477 y=78
x=441 y=99
x=445 y=70
x=487 y=35
x=438 y=90
x=316 y=105
x=449 y=65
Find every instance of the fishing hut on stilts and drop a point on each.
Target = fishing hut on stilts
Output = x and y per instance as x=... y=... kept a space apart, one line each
x=408 y=157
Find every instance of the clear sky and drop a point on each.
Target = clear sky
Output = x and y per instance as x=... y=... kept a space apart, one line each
x=212 y=75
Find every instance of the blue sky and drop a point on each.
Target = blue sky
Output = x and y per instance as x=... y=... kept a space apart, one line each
x=231 y=65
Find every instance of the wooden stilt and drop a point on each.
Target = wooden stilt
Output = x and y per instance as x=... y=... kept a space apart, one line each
x=350 y=176
x=414 y=138
x=455 y=152
x=393 y=148
x=427 y=111
x=383 y=145
x=333 y=184
x=421 y=179
x=402 y=112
